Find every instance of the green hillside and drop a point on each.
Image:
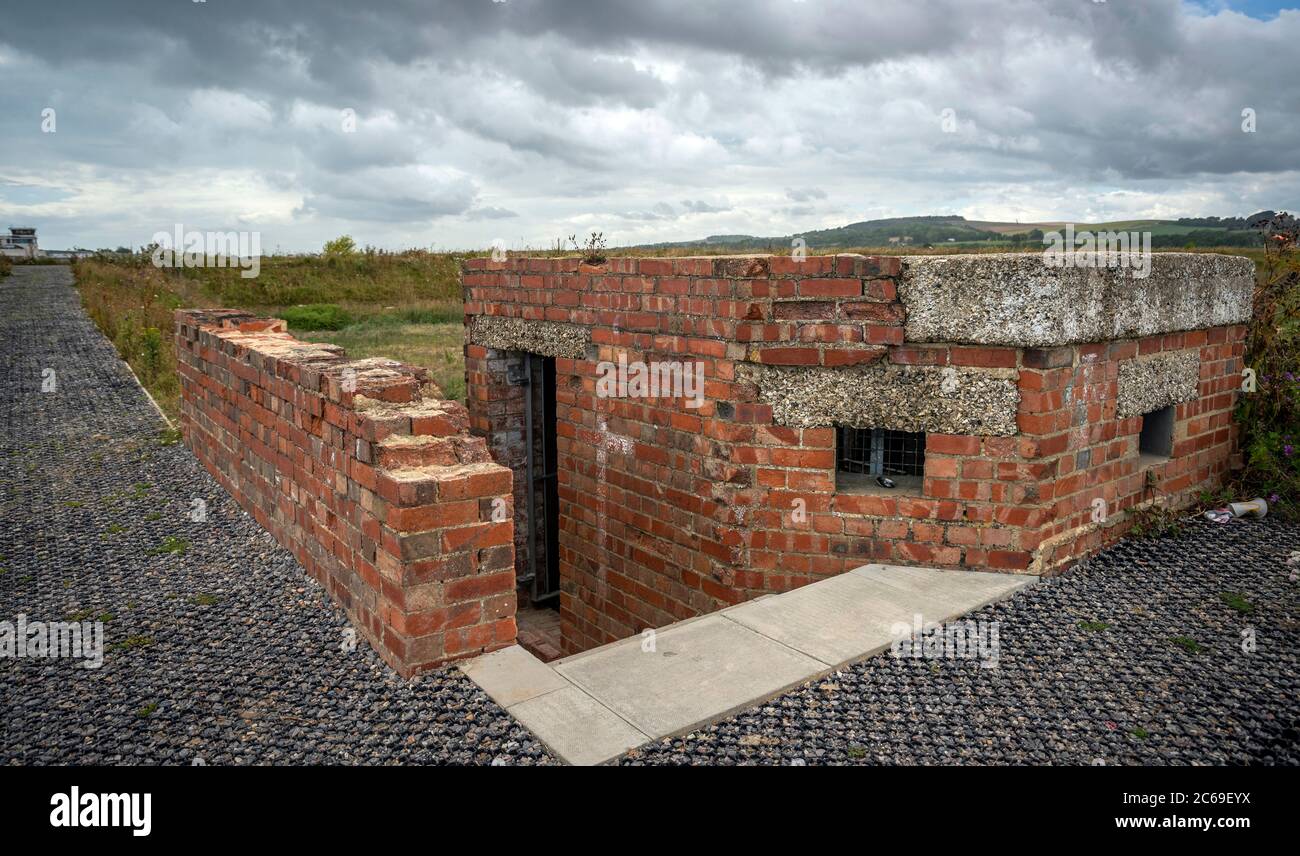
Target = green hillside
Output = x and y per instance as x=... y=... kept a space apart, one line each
x=933 y=231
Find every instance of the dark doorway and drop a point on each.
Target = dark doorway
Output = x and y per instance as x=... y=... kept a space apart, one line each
x=542 y=498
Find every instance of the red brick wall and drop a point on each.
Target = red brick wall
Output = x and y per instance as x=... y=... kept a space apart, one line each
x=365 y=474
x=1068 y=412
x=668 y=511
x=1022 y=503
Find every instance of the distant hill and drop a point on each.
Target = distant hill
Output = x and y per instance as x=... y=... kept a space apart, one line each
x=949 y=230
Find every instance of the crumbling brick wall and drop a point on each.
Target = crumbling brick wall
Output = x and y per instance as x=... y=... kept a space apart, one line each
x=1016 y=373
x=365 y=473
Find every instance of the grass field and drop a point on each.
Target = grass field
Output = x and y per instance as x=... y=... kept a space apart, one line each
x=402 y=306
x=435 y=345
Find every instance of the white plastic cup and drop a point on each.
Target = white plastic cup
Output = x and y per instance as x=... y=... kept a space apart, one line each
x=1257 y=507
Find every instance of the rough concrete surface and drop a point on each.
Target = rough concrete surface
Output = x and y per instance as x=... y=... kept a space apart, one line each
x=1150 y=383
x=546 y=338
x=1018 y=299
x=944 y=400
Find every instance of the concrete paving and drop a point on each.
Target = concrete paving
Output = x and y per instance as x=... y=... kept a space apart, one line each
x=835 y=621
x=513 y=675
x=592 y=707
x=577 y=728
x=693 y=672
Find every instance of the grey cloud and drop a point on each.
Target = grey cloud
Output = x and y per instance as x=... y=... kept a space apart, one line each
x=582 y=107
x=387 y=195
x=804 y=194
x=490 y=212
x=661 y=211
x=699 y=206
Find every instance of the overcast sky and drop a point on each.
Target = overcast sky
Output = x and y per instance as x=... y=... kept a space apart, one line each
x=645 y=119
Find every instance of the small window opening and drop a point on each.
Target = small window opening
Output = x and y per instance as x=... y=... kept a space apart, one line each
x=1156 y=442
x=866 y=456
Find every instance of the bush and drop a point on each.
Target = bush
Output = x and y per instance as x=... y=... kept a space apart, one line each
x=316 y=316
x=6 y=266
x=340 y=246
x=1270 y=416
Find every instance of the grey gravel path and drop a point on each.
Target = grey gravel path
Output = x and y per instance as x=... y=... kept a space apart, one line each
x=226 y=653
x=1135 y=658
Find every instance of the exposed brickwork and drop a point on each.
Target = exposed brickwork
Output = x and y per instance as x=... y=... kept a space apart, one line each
x=365 y=473
x=669 y=511
x=1091 y=453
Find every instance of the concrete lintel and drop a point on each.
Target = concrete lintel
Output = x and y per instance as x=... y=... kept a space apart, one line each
x=940 y=399
x=1150 y=383
x=545 y=338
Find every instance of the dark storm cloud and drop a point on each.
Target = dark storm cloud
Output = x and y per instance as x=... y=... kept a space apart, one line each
x=607 y=109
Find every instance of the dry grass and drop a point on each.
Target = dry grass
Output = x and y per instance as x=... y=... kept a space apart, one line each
x=404 y=306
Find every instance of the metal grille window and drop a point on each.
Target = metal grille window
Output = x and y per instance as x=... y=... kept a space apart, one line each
x=879 y=451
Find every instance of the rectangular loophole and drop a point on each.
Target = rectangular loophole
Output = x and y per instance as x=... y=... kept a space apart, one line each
x=1156 y=442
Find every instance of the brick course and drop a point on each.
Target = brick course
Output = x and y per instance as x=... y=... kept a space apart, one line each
x=669 y=511
x=365 y=473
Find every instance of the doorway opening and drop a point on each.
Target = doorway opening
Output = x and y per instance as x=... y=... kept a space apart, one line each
x=539 y=569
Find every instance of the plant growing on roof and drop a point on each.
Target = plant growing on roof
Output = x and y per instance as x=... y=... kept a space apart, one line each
x=592 y=249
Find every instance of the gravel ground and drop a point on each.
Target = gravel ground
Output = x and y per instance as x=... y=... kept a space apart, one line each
x=1093 y=668
x=225 y=653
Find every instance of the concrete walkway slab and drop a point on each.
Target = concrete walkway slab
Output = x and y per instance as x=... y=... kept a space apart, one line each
x=696 y=672
x=835 y=621
x=943 y=594
x=577 y=727
x=592 y=707
x=512 y=675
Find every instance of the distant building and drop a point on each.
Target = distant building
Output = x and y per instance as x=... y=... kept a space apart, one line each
x=903 y=239
x=20 y=243
x=67 y=255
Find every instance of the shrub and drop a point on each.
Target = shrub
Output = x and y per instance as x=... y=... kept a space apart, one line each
x=316 y=316
x=1270 y=416
x=340 y=246
x=6 y=266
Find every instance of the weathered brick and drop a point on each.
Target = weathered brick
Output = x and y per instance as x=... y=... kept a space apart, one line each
x=312 y=473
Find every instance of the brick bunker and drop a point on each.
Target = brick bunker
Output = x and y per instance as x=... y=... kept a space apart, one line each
x=1017 y=410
